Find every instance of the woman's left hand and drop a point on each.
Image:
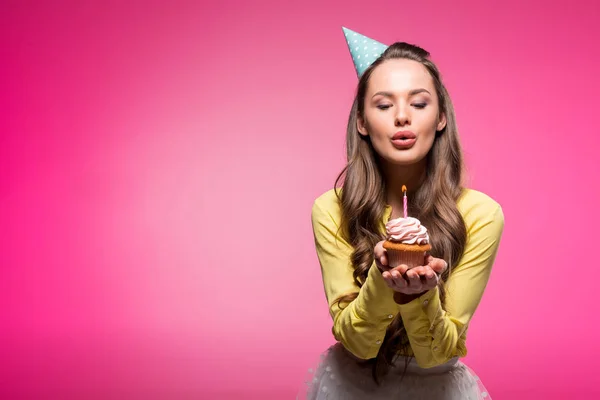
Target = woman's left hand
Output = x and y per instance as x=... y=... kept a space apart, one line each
x=418 y=279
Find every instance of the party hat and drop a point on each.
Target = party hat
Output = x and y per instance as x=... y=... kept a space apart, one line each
x=364 y=50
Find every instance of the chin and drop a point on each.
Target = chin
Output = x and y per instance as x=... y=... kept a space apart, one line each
x=403 y=163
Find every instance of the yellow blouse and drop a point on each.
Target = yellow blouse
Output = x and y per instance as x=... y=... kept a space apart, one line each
x=436 y=334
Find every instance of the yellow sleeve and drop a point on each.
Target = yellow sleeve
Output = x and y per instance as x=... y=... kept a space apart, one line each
x=437 y=335
x=360 y=325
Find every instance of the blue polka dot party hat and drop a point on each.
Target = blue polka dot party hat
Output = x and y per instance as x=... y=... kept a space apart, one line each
x=363 y=50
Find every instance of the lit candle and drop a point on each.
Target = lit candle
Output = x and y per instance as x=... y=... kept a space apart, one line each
x=405 y=202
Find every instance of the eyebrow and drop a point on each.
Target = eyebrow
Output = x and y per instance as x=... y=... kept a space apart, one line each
x=411 y=93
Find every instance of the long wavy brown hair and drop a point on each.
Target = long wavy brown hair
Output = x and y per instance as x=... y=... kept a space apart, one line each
x=434 y=203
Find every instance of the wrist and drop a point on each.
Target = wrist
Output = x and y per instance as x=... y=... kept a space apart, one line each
x=403 y=298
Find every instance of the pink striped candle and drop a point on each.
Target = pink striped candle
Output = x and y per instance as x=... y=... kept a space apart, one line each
x=405 y=202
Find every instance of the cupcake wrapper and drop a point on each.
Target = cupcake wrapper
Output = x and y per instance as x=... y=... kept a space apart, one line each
x=410 y=258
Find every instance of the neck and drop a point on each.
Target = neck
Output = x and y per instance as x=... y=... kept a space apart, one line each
x=397 y=175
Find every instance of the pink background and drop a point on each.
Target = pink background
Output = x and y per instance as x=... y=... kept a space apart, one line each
x=159 y=160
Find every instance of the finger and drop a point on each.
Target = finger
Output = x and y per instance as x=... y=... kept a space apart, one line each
x=387 y=276
x=418 y=271
x=421 y=270
x=445 y=267
x=402 y=268
x=383 y=259
x=414 y=281
x=438 y=265
x=429 y=273
x=424 y=272
x=399 y=282
x=431 y=282
x=380 y=256
x=389 y=280
x=379 y=250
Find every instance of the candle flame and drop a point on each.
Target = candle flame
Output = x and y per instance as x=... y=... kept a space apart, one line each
x=404 y=189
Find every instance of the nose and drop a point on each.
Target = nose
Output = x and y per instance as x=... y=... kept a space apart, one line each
x=402 y=116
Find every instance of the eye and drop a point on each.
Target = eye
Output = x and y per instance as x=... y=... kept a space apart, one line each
x=420 y=105
x=384 y=106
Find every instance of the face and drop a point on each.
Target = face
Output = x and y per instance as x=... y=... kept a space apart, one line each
x=401 y=113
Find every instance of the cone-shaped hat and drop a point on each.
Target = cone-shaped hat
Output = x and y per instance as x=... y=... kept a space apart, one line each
x=362 y=49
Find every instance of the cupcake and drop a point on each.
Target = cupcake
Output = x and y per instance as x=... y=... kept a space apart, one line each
x=406 y=243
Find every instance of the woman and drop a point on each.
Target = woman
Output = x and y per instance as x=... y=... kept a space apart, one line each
x=401 y=332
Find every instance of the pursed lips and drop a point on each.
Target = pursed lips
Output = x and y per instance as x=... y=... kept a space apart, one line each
x=403 y=135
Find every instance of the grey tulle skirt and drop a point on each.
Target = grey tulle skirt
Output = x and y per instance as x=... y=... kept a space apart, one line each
x=340 y=375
